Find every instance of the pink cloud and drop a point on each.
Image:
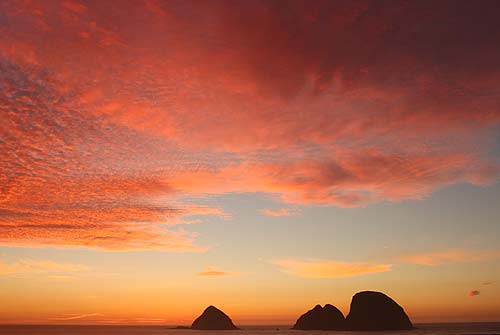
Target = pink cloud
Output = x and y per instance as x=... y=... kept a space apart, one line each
x=280 y=212
x=107 y=127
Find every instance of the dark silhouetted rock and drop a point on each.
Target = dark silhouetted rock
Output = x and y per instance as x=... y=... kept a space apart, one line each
x=213 y=318
x=376 y=311
x=321 y=318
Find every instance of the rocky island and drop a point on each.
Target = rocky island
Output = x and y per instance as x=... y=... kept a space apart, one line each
x=369 y=311
x=376 y=311
x=321 y=318
x=213 y=318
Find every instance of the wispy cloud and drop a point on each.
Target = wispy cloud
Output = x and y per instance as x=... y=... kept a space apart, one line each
x=328 y=268
x=61 y=277
x=449 y=256
x=71 y=317
x=30 y=266
x=280 y=212
x=213 y=271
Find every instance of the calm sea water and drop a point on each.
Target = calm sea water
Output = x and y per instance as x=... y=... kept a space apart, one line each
x=422 y=329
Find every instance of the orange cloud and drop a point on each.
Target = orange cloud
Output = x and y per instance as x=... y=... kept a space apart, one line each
x=280 y=212
x=30 y=266
x=212 y=271
x=61 y=277
x=327 y=268
x=449 y=256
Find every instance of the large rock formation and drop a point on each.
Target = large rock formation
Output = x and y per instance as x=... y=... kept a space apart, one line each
x=321 y=318
x=376 y=311
x=213 y=318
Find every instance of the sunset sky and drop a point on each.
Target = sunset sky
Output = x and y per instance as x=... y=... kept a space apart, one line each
x=157 y=157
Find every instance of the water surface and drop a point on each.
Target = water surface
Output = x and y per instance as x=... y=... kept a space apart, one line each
x=422 y=329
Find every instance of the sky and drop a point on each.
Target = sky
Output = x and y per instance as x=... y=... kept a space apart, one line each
x=158 y=157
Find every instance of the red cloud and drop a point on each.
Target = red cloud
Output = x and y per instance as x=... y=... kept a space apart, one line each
x=110 y=116
x=473 y=293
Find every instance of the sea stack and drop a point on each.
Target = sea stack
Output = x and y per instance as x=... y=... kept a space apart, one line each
x=376 y=311
x=321 y=318
x=213 y=318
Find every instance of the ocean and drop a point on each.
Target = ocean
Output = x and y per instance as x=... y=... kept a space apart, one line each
x=422 y=329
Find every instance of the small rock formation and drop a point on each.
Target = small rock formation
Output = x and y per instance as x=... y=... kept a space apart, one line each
x=213 y=318
x=376 y=311
x=321 y=318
